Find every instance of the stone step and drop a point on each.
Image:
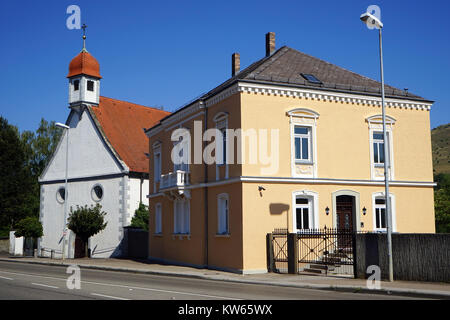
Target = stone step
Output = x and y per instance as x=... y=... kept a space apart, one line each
x=338 y=255
x=321 y=267
x=313 y=270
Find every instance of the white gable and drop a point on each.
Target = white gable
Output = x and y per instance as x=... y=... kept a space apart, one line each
x=89 y=156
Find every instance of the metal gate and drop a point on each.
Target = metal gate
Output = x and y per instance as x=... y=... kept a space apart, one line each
x=313 y=251
x=277 y=251
x=326 y=251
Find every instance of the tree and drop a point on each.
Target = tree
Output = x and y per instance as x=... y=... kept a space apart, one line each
x=442 y=203
x=15 y=179
x=29 y=227
x=39 y=147
x=140 y=219
x=86 y=222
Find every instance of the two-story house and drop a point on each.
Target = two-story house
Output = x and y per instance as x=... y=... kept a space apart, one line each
x=306 y=151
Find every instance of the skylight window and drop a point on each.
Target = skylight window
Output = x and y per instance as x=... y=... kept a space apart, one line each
x=310 y=78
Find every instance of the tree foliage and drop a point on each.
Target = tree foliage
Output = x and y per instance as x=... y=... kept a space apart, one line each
x=140 y=219
x=442 y=203
x=29 y=227
x=15 y=179
x=23 y=158
x=87 y=221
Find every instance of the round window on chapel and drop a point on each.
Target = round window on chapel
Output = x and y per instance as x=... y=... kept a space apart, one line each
x=97 y=193
x=61 y=195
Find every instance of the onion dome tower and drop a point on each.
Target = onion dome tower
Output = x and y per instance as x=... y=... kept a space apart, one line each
x=84 y=78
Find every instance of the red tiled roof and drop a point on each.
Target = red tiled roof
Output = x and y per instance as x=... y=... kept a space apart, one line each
x=122 y=124
x=84 y=63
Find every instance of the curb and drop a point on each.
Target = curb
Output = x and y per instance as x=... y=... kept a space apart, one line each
x=341 y=288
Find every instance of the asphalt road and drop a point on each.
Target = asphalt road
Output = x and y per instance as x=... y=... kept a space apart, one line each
x=41 y=282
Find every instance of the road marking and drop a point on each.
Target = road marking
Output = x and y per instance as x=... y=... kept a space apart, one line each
x=44 y=285
x=128 y=287
x=6 y=278
x=111 y=297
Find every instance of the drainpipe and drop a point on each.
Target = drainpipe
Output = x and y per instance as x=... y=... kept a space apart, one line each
x=205 y=127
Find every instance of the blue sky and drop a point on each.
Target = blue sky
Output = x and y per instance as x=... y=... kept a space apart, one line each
x=165 y=53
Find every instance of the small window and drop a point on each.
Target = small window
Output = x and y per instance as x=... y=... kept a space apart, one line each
x=380 y=214
x=157 y=166
x=181 y=217
x=97 y=193
x=222 y=214
x=158 y=219
x=61 y=195
x=303 y=213
x=90 y=85
x=302 y=140
x=76 y=85
x=310 y=78
x=378 y=147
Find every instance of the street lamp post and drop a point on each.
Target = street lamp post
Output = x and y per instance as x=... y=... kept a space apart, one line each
x=66 y=128
x=373 y=22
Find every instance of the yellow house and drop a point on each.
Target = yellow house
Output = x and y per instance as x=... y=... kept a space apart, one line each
x=300 y=148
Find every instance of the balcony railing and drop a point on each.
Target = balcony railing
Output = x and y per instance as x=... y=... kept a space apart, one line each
x=178 y=179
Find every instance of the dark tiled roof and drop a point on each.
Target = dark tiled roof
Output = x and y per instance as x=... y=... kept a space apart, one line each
x=286 y=65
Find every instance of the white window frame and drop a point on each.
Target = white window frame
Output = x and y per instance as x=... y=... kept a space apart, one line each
x=181 y=220
x=379 y=195
x=302 y=136
x=221 y=123
x=223 y=213
x=380 y=142
x=158 y=218
x=302 y=117
x=376 y=126
x=313 y=200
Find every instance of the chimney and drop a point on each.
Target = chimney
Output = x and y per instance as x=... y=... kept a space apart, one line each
x=235 y=63
x=270 y=43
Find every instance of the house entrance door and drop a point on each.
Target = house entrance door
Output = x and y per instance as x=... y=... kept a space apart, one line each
x=344 y=216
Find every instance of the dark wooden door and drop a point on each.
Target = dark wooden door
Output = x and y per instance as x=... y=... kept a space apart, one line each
x=79 y=248
x=344 y=218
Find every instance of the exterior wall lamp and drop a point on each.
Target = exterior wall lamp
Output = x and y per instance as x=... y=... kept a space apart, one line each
x=364 y=211
x=327 y=211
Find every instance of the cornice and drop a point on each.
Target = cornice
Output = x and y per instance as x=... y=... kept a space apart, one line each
x=331 y=96
x=288 y=91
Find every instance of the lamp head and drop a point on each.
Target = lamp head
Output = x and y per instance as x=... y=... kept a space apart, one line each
x=371 y=21
x=61 y=125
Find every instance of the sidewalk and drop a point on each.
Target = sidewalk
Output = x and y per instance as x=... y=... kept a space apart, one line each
x=409 y=288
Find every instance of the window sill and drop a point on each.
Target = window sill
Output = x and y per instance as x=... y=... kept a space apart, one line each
x=160 y=235
x=223 y=235
x=304 y=162
x=181 y=236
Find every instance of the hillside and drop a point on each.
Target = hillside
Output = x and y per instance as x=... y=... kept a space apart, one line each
x=440 y=140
